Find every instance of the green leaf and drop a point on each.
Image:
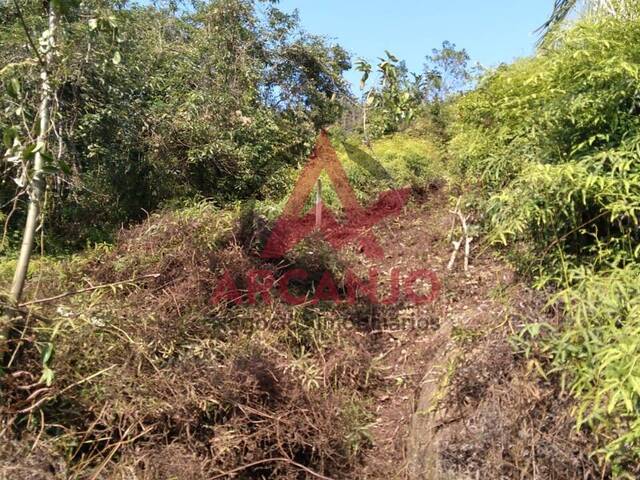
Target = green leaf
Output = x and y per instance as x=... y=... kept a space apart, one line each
x=64 y=166
x=14 y=89
x=8 y=136
x=47 y=353
x=391 y=56
x=40 y=147
x=613 y=401
x=16 y=86
x=49 y=169
x=48 y=158
x=47 y=376
x=29 y=152
x=363 y=80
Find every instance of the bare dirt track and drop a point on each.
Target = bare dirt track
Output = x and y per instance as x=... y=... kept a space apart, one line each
x=459 y=402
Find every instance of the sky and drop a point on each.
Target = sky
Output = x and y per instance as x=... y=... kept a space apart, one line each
x=492 y=31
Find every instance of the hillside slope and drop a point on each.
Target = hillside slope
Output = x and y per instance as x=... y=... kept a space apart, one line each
x=126 y=369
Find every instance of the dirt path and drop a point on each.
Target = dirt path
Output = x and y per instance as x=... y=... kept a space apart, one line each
x=456 y=398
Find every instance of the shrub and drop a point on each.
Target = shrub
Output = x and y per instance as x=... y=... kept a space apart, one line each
x=553 y=142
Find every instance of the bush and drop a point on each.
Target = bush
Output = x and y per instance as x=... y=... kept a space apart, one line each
x=207 y=102
x=553 y=142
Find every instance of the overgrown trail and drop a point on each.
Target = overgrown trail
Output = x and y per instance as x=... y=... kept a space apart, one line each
x=456 y=399
x=181 y=388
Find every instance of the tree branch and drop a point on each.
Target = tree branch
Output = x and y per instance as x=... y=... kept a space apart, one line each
x=269 y=460
x=26 y=31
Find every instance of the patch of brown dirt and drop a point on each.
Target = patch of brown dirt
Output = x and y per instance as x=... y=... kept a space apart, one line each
x=458 y=402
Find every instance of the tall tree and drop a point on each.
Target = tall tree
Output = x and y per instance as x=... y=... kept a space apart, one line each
x=392 y=102
x=446 y=71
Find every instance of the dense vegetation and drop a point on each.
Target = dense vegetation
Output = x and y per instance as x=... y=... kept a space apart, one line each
x=188 y=123
x=553 y=142
x=153 y=104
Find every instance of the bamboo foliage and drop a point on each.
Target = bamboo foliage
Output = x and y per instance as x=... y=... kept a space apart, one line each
x=553 y=141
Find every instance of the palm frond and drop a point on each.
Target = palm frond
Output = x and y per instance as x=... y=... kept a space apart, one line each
x=561 y=10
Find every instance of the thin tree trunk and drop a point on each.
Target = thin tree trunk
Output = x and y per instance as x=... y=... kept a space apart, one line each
x=364 y=122
x=37 y=186
x=319 y=204
x=364 y=119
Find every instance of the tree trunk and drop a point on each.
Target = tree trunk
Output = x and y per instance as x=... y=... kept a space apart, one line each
x=36 y=191
x=37 y=186
x=319 y=204
x=364 y=122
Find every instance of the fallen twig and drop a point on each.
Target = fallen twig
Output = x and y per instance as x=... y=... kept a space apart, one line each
x=7 y=307
x=467 y=248
x=269 y=460
x=68 y=387
x=456 y=247
x=117 y=446
x=465 y=238
x=88 y=289
x=453 y=220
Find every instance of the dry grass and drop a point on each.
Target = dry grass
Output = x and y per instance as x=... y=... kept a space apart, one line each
x=189 y=388
x=154 y=382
